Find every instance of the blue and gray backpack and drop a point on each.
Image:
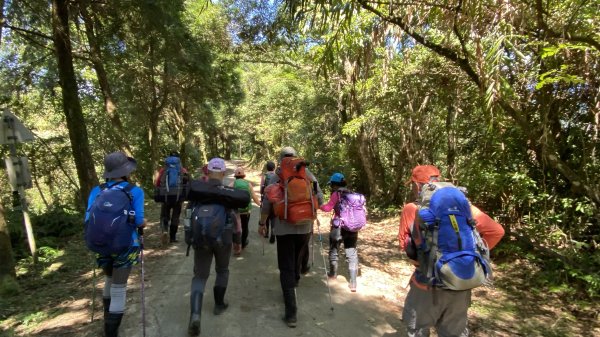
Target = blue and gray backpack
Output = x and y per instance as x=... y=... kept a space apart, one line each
x=172 y=186
x=110 y=225
x=450 y=251
x=205 y=224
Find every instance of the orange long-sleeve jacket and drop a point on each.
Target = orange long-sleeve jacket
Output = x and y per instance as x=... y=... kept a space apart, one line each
x=491 y=231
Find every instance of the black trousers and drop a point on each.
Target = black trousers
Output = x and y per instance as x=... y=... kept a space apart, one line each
x=169 y=216
x=245 y=218
x=291 y=249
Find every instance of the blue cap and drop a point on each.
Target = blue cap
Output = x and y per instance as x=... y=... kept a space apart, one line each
x=336 y=178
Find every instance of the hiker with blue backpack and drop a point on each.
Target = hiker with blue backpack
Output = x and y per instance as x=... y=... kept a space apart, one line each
x=115 y=213
x=170 y=190
x=448 y=240
x=212 y=229
x=349 y=217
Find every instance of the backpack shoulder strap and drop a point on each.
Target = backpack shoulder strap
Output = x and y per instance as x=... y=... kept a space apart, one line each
x=127 y=189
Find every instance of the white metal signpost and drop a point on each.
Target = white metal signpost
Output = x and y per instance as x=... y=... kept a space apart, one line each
x=12 y=132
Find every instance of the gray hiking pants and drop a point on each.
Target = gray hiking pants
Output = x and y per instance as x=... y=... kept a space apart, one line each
x=338 y=235
x=446 y=310
x=203 y=257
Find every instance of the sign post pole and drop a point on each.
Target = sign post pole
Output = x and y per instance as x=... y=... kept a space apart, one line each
x=12 y=131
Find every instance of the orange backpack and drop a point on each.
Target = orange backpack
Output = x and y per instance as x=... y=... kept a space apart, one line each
x=293 y=199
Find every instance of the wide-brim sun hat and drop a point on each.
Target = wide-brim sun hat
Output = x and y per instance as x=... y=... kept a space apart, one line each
x=117 y=165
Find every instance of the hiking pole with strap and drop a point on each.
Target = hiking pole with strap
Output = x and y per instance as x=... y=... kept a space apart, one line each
x=93 y=291
x=141 y=235
x=324 y=263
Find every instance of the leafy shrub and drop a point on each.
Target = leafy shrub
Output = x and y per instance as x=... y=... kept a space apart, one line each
x=57 y=222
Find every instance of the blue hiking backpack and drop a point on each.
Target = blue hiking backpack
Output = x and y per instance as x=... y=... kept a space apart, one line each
x=110 y=224
x=172 y=186
x=450 y=251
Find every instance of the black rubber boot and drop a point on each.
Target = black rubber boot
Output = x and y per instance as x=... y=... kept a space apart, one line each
x=220 y=304
x=106 y=305
x=332 y=273
x=173 y=234
x=289 y=298
x=196 y=310
x=352 y=283
x=111 y=324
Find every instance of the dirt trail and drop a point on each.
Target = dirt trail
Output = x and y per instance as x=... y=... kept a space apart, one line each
x=254 y=295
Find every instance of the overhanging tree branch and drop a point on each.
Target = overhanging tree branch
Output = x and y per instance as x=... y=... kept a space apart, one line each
x=29 y=32
x=447 y=53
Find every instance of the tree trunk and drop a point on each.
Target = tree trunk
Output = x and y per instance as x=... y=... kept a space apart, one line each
x=7 y=262
x=72 y=107
x=158 y=102
x=119 y=135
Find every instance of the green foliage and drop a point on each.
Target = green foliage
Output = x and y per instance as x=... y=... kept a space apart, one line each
x=58 y=222
x=9 y=286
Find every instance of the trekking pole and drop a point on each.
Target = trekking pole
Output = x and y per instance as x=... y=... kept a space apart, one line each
x=262 y=239
x=324 y=264
x=141 y=235
x=312 y=247
x=93 y=291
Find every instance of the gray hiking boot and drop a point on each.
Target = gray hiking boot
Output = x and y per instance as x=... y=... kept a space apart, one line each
x=332 y=273
x=196 y=310
x=352 y=283
x=220 y=304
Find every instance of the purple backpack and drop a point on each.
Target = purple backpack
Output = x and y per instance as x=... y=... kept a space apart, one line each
x=352 y=210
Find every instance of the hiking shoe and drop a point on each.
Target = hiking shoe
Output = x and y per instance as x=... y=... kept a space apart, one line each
x=220 y=308
x=290 y=321
x=272 y=239
x=194 y=328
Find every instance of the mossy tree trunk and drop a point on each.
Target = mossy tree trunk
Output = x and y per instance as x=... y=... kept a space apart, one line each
x=71 y=104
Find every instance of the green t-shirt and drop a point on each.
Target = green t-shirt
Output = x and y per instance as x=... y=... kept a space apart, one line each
x=243 y=184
